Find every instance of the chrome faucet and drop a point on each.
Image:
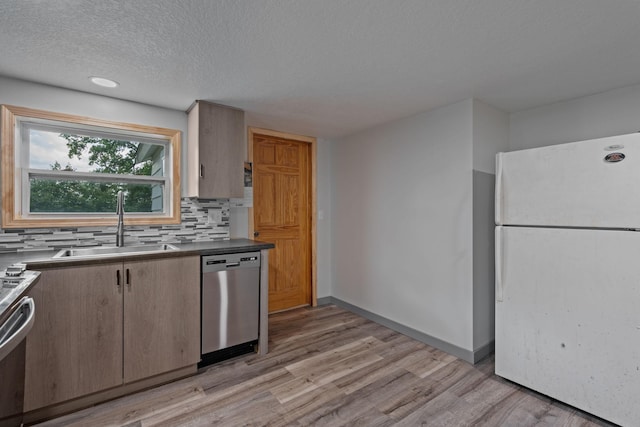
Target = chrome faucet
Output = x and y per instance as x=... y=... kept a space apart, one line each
x=120 y=212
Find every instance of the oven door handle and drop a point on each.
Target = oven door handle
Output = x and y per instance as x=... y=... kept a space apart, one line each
x=17 y=326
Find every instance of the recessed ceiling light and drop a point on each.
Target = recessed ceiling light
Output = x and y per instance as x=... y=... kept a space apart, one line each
x=101 y=81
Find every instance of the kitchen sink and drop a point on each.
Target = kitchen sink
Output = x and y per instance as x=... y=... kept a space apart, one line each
x=106 y=251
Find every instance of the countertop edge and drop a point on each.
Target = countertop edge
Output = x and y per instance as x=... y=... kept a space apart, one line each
x=44 y=259
x=38 y=260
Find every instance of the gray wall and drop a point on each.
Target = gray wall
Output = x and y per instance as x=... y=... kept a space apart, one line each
x=490 y=136
x=324 y=229
x=483 y=260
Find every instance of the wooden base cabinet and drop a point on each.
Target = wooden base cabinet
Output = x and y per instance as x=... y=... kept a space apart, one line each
x=162 y=316
x=75 y=345
x=102 y=326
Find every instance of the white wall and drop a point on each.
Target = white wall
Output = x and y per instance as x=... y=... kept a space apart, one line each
x=609 y=113
x=402 y=222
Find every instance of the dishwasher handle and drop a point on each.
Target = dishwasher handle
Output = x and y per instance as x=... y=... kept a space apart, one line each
x=16 y=328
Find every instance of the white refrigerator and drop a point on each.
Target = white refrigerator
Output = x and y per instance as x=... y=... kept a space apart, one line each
x=568 y=273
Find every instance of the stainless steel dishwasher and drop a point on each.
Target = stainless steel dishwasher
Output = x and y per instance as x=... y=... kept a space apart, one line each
x=230 y=305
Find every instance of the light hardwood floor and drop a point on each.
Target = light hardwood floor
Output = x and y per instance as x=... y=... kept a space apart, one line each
x=327 y=366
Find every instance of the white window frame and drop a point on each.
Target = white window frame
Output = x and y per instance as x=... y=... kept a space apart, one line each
x=16 y=172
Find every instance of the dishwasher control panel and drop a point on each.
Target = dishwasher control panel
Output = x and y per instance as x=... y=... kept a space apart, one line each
x=211 y=263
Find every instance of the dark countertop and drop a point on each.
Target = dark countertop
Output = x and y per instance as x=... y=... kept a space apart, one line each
x=44 y=259
x=35 y=260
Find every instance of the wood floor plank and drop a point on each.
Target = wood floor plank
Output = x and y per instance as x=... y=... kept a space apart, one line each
x=342 y=368
x=219 y=401
x=337 y=363
x=125 y=411
x=438 y=408
x=334 y=355
x=295 y=351
x=257 y=409
x=345 y=332
x=328 y=366
x=373 y=372
x=423 y=362
x=292 y=389
x=343 y=411
x=303 y=405
x=382 y=393
x=403 y=403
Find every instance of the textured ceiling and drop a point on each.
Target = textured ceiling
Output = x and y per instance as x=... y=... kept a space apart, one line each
x=326 y=67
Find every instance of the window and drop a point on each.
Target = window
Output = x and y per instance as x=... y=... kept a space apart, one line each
x=62 y=170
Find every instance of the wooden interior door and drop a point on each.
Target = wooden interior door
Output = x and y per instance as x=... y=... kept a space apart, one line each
x=282 y=215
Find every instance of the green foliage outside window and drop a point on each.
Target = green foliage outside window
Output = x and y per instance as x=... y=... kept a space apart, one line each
x=108 y=156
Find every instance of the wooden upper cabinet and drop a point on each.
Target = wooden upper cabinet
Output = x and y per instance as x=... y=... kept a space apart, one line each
x=215 y=151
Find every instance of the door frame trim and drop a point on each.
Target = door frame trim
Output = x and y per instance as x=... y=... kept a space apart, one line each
x=251 y=131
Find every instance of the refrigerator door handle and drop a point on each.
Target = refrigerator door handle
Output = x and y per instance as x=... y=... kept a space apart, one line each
x=498 y=198
x=499 y=263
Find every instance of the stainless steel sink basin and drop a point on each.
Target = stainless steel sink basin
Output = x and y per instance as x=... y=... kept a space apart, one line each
x=106 y=251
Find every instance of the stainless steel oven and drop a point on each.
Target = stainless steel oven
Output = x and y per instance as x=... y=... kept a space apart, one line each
x=230 y=305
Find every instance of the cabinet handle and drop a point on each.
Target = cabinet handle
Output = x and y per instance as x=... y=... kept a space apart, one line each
x=201 y=170
x=128 y=279
x=118 y=284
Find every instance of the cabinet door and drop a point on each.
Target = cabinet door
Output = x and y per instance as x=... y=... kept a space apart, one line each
x=75 y=346
x=221 y=151
x=161 y=316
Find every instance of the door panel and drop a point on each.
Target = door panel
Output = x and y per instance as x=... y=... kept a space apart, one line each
x=162 y=316
x=281 y=177
x=567 y=316
x=291 y=209
x=266 y=188
x=571 y=185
